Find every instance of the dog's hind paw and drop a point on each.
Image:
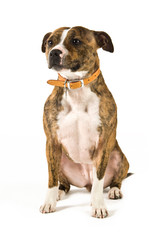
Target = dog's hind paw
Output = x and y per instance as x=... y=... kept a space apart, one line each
x=61 y=195
x=115 y=193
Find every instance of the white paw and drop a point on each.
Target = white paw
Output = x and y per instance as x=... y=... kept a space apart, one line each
x=97 y=199
x=99 y=209
x=115 y=193
x=50 y=201
x=61 y=195
x=48 y=208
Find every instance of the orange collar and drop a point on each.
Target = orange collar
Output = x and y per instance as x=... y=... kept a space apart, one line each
x=73 y=84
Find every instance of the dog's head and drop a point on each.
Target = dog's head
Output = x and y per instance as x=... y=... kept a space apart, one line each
x=74 y=50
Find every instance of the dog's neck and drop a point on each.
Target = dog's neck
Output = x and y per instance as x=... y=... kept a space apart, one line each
x=68 y=74
x=78 y=75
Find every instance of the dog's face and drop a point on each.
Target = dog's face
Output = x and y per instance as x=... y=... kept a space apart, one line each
x=74 y=49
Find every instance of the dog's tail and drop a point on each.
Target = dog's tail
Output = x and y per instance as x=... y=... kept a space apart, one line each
x=129 y=174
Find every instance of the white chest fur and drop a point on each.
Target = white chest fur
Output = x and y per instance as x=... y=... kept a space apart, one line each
x=78 y=123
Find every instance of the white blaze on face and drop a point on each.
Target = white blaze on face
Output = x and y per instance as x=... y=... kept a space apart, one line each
x=60 y=45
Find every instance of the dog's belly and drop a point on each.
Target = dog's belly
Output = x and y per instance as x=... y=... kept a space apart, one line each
x=78 y=124
x=81 y=175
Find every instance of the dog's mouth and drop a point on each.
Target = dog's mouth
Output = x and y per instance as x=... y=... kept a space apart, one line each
x=56 y=67
x=55 y=63
x=59 y=66
x=58 y=62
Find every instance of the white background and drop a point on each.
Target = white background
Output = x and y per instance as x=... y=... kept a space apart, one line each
x=131 y=74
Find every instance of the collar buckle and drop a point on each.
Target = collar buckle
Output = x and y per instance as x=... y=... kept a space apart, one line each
x=69 y=81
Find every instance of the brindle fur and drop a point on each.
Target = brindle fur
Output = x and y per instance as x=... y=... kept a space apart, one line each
x=107 y=108
x=53 y=148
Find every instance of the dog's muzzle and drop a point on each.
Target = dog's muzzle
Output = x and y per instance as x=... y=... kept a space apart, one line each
x=55 y=58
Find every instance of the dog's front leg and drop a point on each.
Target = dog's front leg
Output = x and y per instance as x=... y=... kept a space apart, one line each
x=53 y=154
x=97 y=199
x=105 y=146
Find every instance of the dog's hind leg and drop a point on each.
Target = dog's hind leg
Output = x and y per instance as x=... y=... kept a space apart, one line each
x=119 y=165
x=64 y=186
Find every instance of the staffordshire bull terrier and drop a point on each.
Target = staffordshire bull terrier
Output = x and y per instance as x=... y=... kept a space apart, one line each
x=80 y=120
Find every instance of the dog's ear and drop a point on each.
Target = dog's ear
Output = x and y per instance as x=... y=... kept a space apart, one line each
x=43 y=48
x=104 y=41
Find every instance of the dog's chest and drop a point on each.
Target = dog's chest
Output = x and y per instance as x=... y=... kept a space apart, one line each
x=78 y=123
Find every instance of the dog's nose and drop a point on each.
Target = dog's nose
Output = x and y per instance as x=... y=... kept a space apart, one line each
x=55 y=53
x=55 y=58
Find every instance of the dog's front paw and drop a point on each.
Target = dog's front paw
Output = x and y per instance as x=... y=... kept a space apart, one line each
x=99 y=212
x=99 y=209
x=48 y=208
x=50 y=201
x=115 y=193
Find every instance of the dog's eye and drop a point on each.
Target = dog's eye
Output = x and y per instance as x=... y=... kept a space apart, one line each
x=50 y=43
x=76 y=41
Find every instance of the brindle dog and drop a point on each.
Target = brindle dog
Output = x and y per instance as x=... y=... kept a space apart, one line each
x=80 y=127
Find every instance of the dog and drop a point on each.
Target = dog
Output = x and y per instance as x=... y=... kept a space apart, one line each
x=80 y=120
